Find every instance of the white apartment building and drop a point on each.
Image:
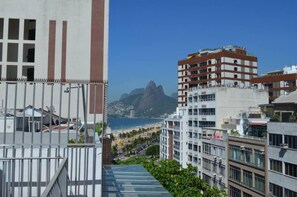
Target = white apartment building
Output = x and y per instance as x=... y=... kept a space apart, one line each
x=206 y=108
x=214 y=157
x=282 y=161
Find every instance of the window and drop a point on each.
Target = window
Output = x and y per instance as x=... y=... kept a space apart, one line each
x=13 y=29
x=235 y=76
x=276 y=190
x=235 y=61
x=206 y=164
x=291 y=141
x=248 y=156
x=290 y=193
x=1 y=52
x=275 y=139
x=260 y=183
x=28 y=71
x=235 y=173
x=29 y=29
x=235 y=153
x=206 y=178
x=12 y=52
x=234 y=192
x=11 y=73
x=247 y=178
x=235 y=68
x=0 y=72
x=29 y=53
x=246 y=195
x=190 y=146
x=259 y=159
x=276 y=165
x=207 y=97
x=206 y=148
x=291 y=169
x=207 y=111
x=1 y=27
x=195 y=147
x=207 y=124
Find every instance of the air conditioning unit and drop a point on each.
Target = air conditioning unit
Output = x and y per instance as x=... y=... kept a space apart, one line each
x=242 y=148
x=220 y=178
x=284 y=146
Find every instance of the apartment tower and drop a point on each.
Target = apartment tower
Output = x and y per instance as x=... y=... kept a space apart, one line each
x=228 y=65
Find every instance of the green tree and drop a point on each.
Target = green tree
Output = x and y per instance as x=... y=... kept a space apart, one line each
x=153 y=151
x=177 y=180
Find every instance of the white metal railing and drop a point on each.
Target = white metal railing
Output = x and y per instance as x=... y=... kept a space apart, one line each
x=43 y=123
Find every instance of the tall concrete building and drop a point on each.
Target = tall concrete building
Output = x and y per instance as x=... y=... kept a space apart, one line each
x=58 y=41
x=228 y=65
x=53 y=87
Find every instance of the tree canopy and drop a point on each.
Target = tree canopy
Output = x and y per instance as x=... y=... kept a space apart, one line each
x=177 y=180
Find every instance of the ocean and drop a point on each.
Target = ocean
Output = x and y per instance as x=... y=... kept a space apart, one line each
x=126 y=123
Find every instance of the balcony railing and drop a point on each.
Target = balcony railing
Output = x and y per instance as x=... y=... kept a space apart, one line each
x=44 y=123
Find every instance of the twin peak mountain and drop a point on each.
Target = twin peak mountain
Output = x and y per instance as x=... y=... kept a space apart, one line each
x=147 y=102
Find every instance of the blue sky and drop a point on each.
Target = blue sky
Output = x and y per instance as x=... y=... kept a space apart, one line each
x=148 y=37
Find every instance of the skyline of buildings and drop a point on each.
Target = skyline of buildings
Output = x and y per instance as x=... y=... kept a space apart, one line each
x=221 y=121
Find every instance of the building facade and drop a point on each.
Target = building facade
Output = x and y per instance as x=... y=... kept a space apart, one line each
x=282 y=161
x=214 y=157
x=53 y=80
x=229 y=65
x=279 y=82
x=247 y=171
x=58 y=41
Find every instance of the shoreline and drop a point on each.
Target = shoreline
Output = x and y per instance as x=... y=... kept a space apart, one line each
x=116 y=132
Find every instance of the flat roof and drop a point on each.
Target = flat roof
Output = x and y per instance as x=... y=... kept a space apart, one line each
x=130 y=180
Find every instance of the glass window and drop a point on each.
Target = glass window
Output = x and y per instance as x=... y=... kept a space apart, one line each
x=246 y=195
x=290 y=193
x=247 y=178
x=235 y=153
x=291 y=169
x=1 y=27
x=1 y=51
x=276 y=165
x=276 y=190
x=259 y=159
x=248 y=156
x=207 y=124
x=234 y=192
x=13 y=29
x=275 y=139
x=206 y=163
x=235 y=173
x=206 y=148
x=29 y=53
x=11 y=73
x=260 y=183
x=291 y=141
x=29 y=29
x=12 y=52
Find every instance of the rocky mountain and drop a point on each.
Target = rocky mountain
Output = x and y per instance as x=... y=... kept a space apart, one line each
x=150 y=101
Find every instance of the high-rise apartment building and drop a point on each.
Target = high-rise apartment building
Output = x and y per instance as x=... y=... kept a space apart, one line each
x=229 y=65
x=213 y=86
x=279 y=82
x=53 y=87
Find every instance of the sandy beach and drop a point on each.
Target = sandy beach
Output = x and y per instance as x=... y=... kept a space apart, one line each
x=122 y=141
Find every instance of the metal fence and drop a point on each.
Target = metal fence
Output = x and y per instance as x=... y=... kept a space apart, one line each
x=43 y=124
